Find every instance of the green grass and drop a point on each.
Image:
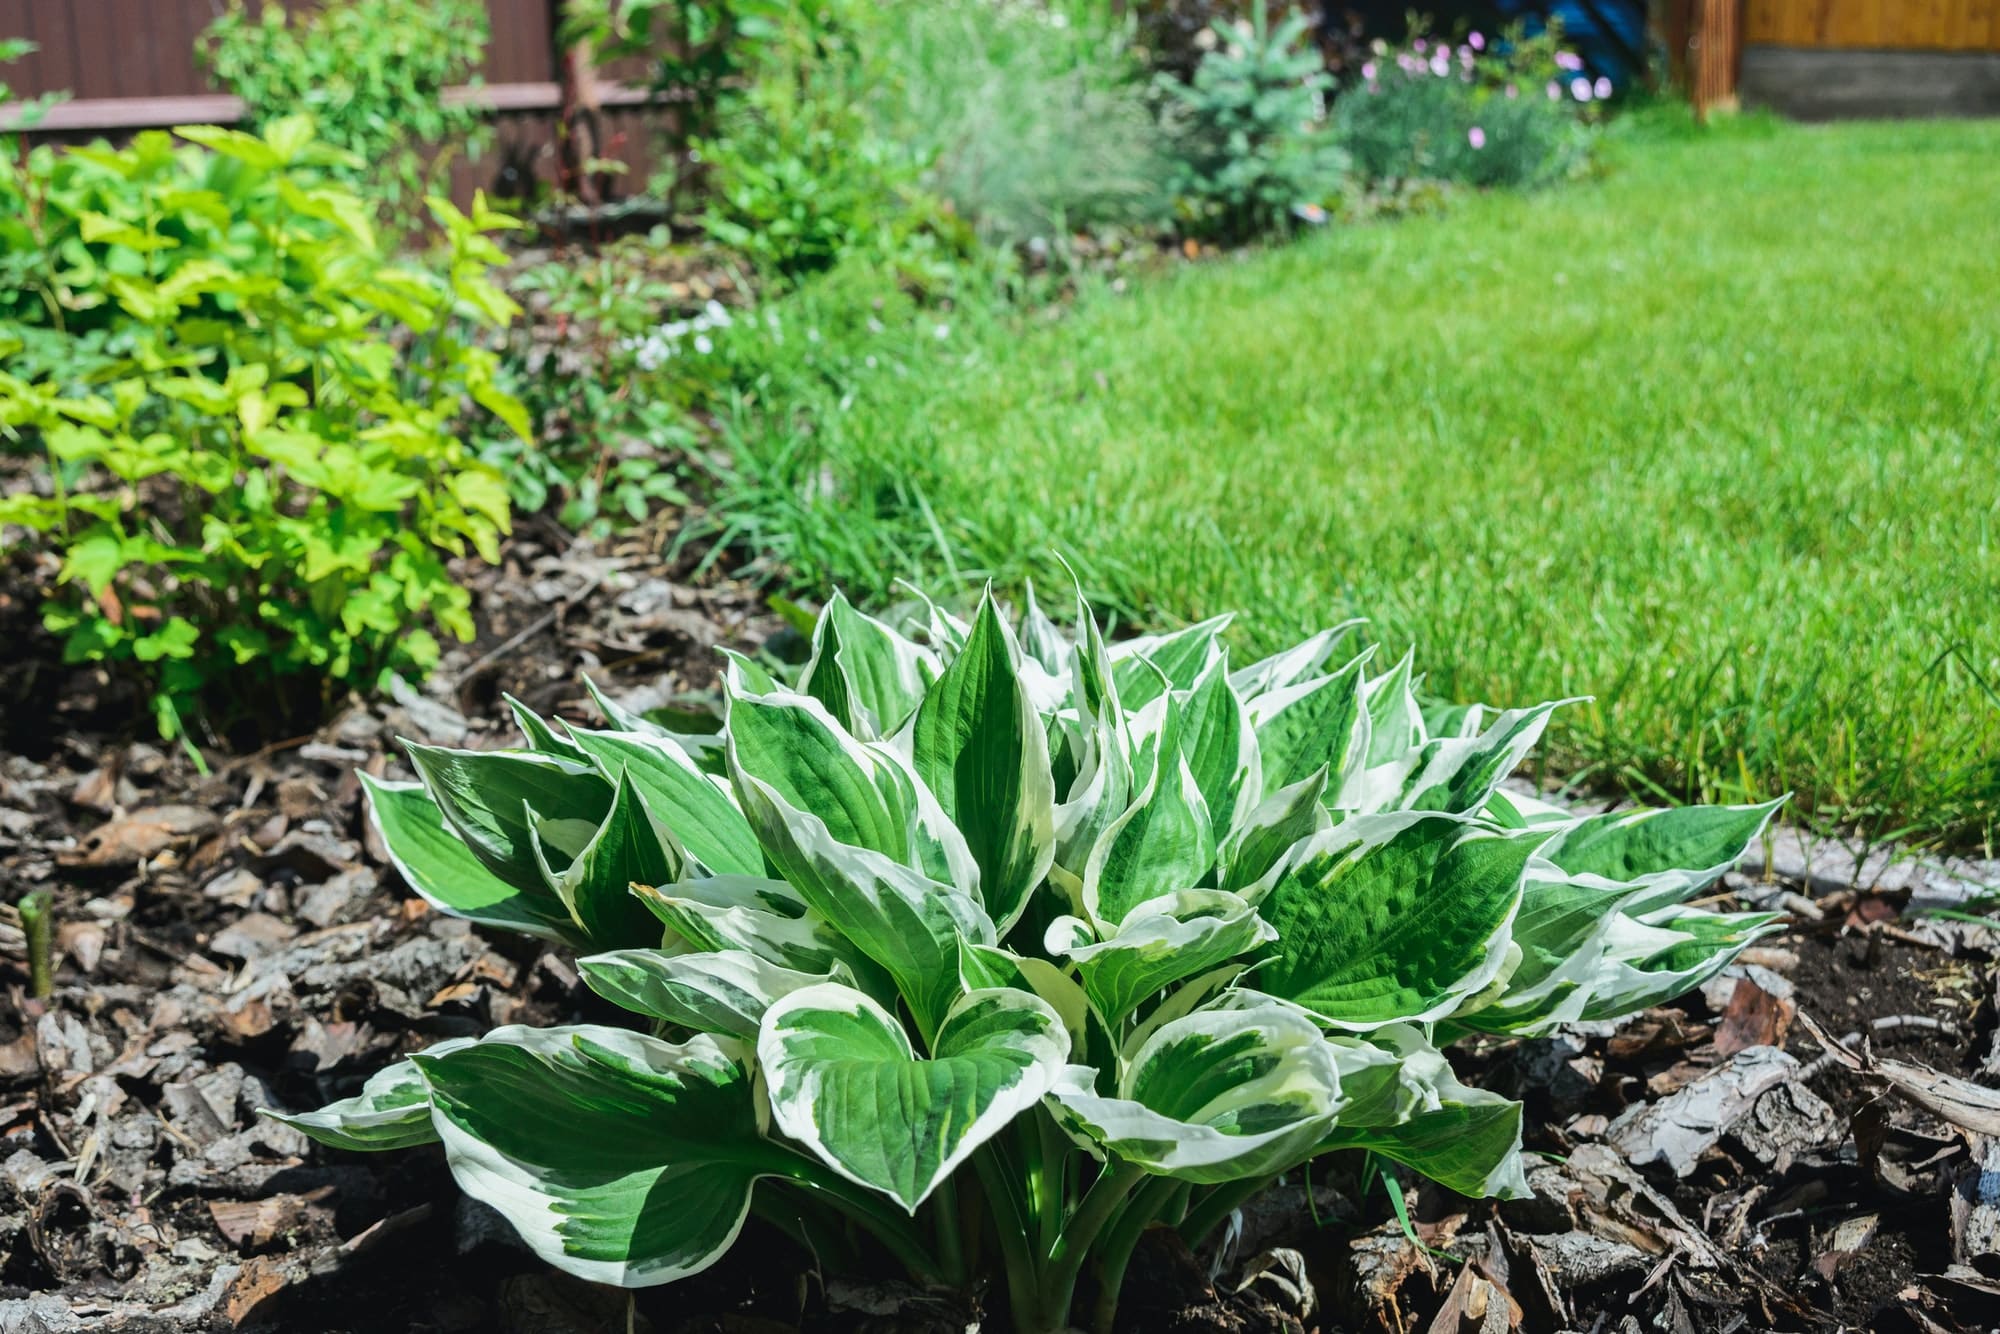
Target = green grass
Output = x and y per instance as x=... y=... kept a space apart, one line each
x=1715 y=440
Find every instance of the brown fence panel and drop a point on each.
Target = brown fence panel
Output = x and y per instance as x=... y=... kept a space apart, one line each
x=1890 y=25
x=128 y=65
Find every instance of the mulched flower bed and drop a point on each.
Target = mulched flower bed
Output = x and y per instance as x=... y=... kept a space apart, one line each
x=235 y=941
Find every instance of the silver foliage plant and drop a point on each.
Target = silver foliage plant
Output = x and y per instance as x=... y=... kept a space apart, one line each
x=989 y=939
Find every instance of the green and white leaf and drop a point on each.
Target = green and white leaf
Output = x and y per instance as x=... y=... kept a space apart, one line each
x=1158 y=944
x=1394 y=918
x=618 y=1158
x=435 y=862
x=628 y=848
x=1214 y=1096
x=693 y=806
x=978 y=745
x=392 y=1111
x=868 y=676
x=846 y=1083
x=766 y=918
x=486 y=795
x=722 y=991
x=1464 y=1138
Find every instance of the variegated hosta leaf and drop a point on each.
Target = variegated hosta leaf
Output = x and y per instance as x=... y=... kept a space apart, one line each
x=1316 y=723
x=869 y=677
x=540 y=735
x=1394 y=917
x=1221 y=747
x=1675 y=853
x=693 y=807
x=435 y=862
x=1458 y=774
x=1162 y=844
x=1573 y=947
x=786 y=748
x=485 y=796
x=1293 y=665
x=618 y=1158
x=978 y=745
x=1273 y=835
x=392 y=1111
x=1150 y=665
x=1215 y=1096
x=1414 y=1110
x=905 y=921
x=628 y=848
x=1159 y=943
x=845 y=1081
x=720 y=991
x=767 y=918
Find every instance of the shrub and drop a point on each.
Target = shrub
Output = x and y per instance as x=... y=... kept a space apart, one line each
x=371 y=73
x=1253 y=145
x=1499 y=114
x=1035 y=120
x=249 y=414
x=600 y=371
x=991 y=942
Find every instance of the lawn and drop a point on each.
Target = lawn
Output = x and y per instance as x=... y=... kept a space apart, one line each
x=1712 y=440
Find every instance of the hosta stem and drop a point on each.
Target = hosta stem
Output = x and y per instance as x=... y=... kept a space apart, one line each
x=1217 y=1205
x=1027 y=1293
x=1099 y=1206
x=950 y=1246
x=1116 y=1252
x=896 y=1233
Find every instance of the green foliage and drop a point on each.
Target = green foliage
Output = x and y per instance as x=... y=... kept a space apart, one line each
x=1122 y=931
x=1675 y=432
x=250 y=414
x=1253 y=143
x=1035 y=119
x=798 y=174
x=371 y=73
x=606 y=379
x=1499 y=114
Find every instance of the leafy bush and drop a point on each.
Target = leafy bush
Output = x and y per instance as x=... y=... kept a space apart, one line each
x=1500 y=114
x=249 y=414
x=1253 y=143
x=371 y=73
x=600 y=374
x=990 y=942
x=1035 y=119
x=798 y=175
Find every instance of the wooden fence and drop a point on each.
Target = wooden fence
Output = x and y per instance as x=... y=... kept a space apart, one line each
x=129 y=65
x=1884 y=25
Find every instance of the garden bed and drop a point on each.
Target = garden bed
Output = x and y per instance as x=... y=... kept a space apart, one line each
x=236 y=940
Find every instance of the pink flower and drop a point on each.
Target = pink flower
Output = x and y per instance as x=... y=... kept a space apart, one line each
x=1476 y=137
x=1476 y=41
x=1419 y=45
x=1602 y=88
x=1440 y=63
x=1368 y=71
x=1513 y=92
x=1555 y=91
x=1569 y=60
x=1579 y=88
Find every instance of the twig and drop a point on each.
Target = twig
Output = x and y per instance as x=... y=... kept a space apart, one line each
x=1883 y=1025
x=530 y=630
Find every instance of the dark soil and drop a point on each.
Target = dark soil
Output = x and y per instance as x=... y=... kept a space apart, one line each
x=232 y=941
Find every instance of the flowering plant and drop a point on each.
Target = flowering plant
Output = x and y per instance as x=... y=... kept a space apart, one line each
x=1511 y=110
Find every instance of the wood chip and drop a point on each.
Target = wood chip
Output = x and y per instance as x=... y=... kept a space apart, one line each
x=1961 y=1102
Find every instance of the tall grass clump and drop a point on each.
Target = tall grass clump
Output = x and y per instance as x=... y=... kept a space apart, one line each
x=1035 y=118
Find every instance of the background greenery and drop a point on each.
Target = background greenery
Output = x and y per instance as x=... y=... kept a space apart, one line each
x=1711 y=440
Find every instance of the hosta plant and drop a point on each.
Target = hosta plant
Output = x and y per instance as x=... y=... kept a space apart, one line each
x=986 y=946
